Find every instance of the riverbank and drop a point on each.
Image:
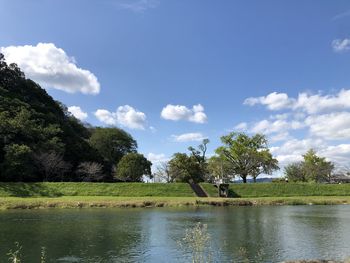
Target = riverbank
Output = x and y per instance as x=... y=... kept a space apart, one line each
x=129 y=202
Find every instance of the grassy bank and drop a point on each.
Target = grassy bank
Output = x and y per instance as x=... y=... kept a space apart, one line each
x=281 y=190
x=104 y=201
x=94 y=189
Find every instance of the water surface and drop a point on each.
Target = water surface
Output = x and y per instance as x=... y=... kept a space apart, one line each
x=275 y=233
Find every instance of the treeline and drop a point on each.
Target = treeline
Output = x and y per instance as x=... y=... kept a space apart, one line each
x=41 y=141
x=240 y=155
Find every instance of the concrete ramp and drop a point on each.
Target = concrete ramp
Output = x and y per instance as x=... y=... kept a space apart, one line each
x=198 y=190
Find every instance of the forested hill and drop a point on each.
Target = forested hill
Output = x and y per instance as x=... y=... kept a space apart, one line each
x=34 y=128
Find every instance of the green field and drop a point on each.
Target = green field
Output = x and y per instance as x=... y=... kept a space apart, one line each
x=281 y=189
x=94 y=189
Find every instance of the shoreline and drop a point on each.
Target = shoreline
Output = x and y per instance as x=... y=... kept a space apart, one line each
x=9 y=203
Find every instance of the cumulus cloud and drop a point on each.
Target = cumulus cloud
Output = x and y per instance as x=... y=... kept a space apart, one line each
x=292 y=151
x=309 y=103
x=156 y=158
x=341 y=45
x=321 y=103
x=125 y=116
x=241 y=126
x=189 y=137
x=180 y=112
x=78 y=112
x=331 y=126
x=273 y=101
x=277 y=126
x=51 y=67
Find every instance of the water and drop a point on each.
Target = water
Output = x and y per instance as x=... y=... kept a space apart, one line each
x=152 y=235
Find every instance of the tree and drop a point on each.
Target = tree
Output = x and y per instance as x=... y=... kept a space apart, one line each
x=31 y=118
x=295 y=172
x=17 y=165
x=184 y=168
x=219 y=170
x=52 y=166
x=247 y=155
x=112 y=143
x=132 y=167
x=162 y=173
x=199 y=156
x=90 y=171
x=316 y=168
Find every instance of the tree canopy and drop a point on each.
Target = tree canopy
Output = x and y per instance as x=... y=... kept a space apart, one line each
x=247 y=156
x=132 y=167
x=313 y=168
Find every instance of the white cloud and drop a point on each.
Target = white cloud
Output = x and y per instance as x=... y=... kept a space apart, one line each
x=331 y=126
x=273 y=101
x=156 y=158
x=138 y=6
x=189 y=137
x=277 y=126
x=292 y=151
x=180 y=112
x=318 y=103
x=241 y=126
x=305 y=102
x=125 y=116
x=78 y=112
x=51 y=67
x=341 y=45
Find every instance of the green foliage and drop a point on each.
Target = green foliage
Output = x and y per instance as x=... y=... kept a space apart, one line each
x=112 y=143
x=18 y=159
x=30 y=118
x=247 y=155
x=190 y=168
x=220 y=169
x=184 y=168
x=316 y=168
x=132 y=167
x=312 y=169
x=295 y=172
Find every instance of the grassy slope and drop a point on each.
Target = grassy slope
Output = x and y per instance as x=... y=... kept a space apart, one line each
x=281 y=190
x=94 y=189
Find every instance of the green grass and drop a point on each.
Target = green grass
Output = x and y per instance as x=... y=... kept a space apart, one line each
x=281 y=189
x=125 y=202
x=94 y=189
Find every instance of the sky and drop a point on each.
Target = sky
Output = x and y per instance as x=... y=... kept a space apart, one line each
x=172 y=72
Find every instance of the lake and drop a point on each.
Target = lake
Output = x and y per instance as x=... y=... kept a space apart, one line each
x=270 y=233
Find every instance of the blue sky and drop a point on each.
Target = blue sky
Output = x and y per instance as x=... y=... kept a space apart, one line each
x=277 y=67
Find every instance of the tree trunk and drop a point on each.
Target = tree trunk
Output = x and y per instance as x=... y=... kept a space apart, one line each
x=244 y=178
x=254 y=179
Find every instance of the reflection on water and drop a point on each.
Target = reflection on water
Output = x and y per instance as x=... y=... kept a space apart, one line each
x=152 y=235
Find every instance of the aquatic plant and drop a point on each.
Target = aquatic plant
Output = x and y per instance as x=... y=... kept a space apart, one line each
x=197 y=242
x=15 y=256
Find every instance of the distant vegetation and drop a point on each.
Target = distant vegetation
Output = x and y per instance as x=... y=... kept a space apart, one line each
x=40 y=141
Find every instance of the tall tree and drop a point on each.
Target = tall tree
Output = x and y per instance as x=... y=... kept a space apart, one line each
x=316 y=168
x=132 y=167
x=112 y=143
x=247 y=156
